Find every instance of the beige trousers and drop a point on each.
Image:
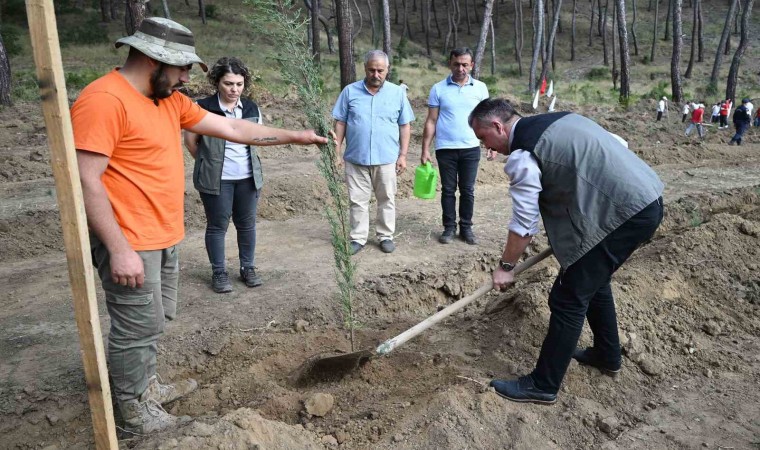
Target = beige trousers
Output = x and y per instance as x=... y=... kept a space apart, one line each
x=362 y=181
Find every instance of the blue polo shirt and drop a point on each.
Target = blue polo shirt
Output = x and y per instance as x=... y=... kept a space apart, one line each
x=372 y=121
x=455 y=103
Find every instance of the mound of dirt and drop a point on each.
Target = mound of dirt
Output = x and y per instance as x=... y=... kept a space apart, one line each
x=241 y=429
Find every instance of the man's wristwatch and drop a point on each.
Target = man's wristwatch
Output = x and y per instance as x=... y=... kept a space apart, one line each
x=506 y=266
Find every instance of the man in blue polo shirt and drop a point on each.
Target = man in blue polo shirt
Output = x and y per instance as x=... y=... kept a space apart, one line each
x=456 y=148
x=375 y=118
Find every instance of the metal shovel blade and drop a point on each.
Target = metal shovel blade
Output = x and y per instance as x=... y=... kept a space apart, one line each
x=324 y=367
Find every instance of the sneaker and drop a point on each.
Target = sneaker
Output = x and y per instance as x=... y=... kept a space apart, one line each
x=220 y=282
x=144 y=417
x=522 y=390
x=167 y=393
x=590 y=357
x=468 y=236
x=447 y=236
x=356 y=247
x=387 y=246
x=248 y=275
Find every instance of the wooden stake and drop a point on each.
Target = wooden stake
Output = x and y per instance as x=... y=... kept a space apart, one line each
x=55 y=107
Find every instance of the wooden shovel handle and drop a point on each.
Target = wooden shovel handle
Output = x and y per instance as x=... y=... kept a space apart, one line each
x=389 y=345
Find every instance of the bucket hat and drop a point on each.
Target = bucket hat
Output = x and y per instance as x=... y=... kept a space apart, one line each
x=164 y=40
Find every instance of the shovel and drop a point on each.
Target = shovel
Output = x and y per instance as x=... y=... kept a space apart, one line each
x=325 y=367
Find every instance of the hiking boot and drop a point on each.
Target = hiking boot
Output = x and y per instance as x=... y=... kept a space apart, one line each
x=468 y=236
x=523 y=390
x=220 y=282
x=387 y=246
x=356 y=247
x=447 y=236
x=144 y=417
x=590 y=357
x=167 y=393
x=249 y=277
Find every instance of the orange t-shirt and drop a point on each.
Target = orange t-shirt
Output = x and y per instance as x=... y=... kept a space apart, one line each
x=145 y=177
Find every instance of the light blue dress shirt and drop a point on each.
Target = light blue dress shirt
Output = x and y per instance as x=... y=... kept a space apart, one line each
x=455 y=103
x=372 y=122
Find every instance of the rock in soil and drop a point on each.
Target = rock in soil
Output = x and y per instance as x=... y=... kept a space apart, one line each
x=319 y=404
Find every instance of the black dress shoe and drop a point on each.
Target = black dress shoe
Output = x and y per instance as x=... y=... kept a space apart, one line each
x=523 y=390
x=447 y=236
x=468 y=236
x=590 y=357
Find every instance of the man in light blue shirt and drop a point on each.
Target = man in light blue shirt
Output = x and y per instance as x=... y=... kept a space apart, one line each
x=457 y=150
x=375 y=118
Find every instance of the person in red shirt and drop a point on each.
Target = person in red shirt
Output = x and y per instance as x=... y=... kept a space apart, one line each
x=696 y=121
x=725 y=107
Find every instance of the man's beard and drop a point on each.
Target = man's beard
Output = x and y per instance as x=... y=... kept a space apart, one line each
x=159 y=84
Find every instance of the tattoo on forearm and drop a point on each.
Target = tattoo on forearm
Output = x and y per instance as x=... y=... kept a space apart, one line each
x=266 y=139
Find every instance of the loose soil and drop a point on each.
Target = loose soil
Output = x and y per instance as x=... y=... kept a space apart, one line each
x=688 y=305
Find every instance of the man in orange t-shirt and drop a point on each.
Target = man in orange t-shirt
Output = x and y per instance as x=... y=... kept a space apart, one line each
x=127 y=126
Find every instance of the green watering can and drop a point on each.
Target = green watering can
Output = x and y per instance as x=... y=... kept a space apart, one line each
x=425 y=181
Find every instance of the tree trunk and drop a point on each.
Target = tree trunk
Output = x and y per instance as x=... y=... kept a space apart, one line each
x=456 y=17
x=625 y=56
x=654 y=30
x=345 y=43
x=538 y=32
x=675 y=61
x=693 y=50
x=604 y=34
x=518 y=35
x=599 y=10
x=613 y=32
x=355 y=30
x=395 y=12
x=700 y=34
x=405 y=31
x=667 y=20
x=572 y=35
x=316 y=51
x=480 y=50
x=373 y=24
x=552 y=35
x=736 y=14
x=134 y=15
x=387 y=30
x=633 y=31
x=449 y=30
x=435 y=18
x=493 y=50
x=427 y=28
x=591 y=25
x=167 y=14
x=114 y=9
x=105 y=11
x=733 y=72
x=467 y=18
x=722 y=44
x=5 y=75
x=201 y=10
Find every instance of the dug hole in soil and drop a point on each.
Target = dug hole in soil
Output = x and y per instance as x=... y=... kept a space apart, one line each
x=688 y=309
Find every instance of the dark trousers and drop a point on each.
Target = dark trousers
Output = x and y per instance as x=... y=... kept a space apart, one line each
x=659 y=115
x=723 y=121
x=741 y=128
x=683 y=118
x=239 y=199
x=459 y=168
x=583 y=291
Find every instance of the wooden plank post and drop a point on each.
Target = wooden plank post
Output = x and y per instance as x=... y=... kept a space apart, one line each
x=55 y=107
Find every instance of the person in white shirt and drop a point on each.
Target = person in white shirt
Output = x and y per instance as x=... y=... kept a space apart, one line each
x=662 y=107
x=685 y=112
x=715 y=113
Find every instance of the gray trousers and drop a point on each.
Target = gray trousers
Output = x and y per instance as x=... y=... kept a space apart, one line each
x=137 y=316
